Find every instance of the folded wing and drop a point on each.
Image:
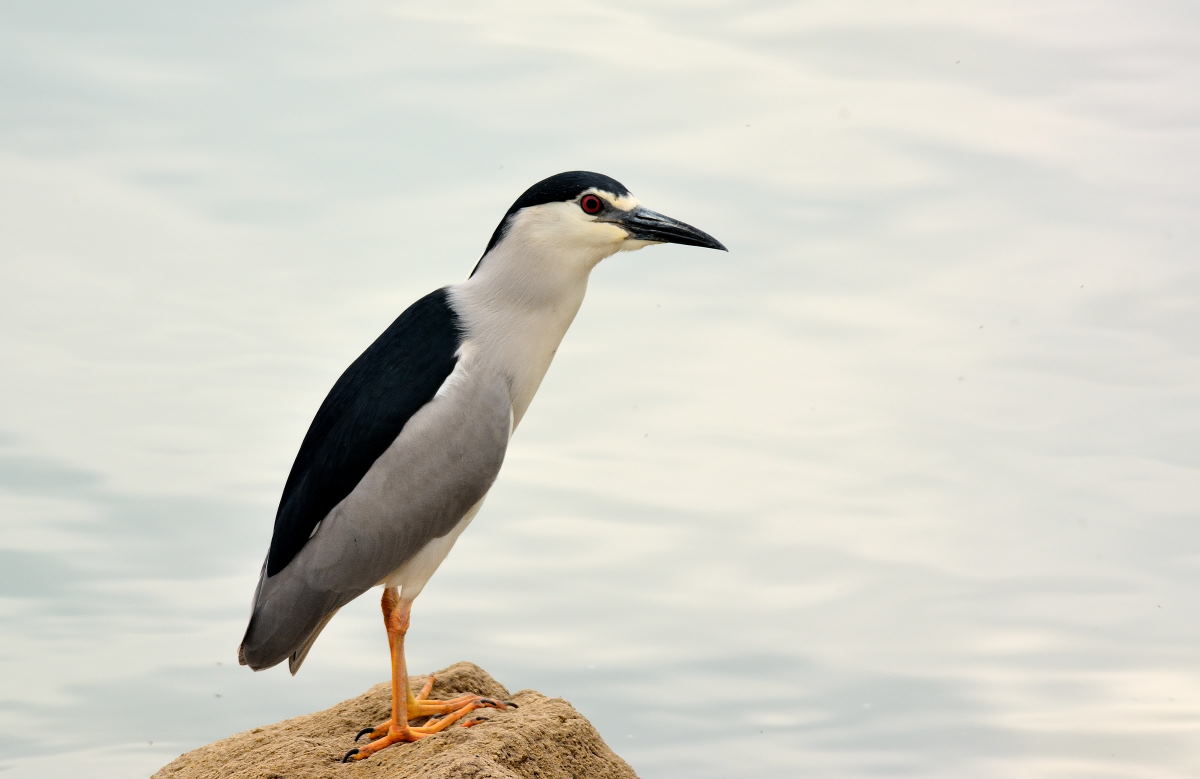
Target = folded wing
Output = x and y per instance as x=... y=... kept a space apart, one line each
x=388 y=465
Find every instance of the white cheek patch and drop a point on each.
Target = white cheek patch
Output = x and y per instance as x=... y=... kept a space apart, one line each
x=563 y=227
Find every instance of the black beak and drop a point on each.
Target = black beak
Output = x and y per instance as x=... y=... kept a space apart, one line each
x=646 y=225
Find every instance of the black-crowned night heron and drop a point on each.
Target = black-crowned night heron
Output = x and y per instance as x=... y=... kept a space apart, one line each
x=404 y=449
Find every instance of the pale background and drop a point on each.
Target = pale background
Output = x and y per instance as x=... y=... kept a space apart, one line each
x=907 y=484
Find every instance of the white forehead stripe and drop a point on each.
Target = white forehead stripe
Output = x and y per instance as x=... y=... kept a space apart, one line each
x=624 y=202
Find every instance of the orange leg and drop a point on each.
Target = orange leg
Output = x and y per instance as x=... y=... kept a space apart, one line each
x=404 y=705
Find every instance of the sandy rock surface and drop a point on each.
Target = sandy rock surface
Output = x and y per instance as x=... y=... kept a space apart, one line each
x=545 y=738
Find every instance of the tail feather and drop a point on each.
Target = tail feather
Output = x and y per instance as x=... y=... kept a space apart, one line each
x=285 y=620
x=297 y=658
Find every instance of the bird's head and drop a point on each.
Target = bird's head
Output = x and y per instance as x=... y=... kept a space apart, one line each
x=582 y=217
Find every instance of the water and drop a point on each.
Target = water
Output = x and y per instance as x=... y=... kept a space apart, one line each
x=905 y=485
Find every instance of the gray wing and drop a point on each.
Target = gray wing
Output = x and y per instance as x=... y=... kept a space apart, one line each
x=361 y=416
x=443 y=463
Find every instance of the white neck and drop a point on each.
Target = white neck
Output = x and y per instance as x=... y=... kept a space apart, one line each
x=517 y=307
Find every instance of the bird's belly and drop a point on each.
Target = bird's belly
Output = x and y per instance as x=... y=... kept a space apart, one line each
x=412 y=575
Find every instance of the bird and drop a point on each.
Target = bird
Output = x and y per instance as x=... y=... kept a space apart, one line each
x=405 y=447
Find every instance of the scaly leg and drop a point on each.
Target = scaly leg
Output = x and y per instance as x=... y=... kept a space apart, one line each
x=404 y=705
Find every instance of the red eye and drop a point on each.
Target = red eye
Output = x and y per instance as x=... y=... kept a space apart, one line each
x=591 y=204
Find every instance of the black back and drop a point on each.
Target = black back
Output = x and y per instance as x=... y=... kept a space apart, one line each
x=556 y=189
x=362 y=415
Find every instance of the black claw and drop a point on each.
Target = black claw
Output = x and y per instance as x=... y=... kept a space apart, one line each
x=487 y=701
x=364 y=732
x=510 y=703
x=351 y=753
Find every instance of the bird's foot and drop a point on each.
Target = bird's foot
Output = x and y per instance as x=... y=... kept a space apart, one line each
x=441 y=713
x=393 y=734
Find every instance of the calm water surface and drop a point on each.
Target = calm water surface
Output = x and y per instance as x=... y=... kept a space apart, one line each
x=907 y=484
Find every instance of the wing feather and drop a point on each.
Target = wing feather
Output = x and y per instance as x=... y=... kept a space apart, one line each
x=362 y=415
x=427 y=482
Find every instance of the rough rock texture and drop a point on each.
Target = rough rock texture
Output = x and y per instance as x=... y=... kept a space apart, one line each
x=545 y=738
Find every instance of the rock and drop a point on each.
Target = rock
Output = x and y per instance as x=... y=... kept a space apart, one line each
x=544 y=738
